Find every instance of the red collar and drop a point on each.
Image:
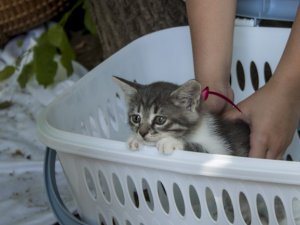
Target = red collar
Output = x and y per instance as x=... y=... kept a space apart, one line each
x=206 y=92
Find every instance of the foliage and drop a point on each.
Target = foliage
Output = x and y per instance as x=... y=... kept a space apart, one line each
x=52 y=42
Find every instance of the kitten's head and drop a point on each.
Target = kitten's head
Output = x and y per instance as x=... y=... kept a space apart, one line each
x=162 y=109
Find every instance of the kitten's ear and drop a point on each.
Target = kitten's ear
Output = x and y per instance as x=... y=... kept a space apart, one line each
x=188 y=95
x=129 y=88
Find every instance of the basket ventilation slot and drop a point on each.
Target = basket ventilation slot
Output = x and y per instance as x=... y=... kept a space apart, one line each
x=147 y=194
x=163 y=197
x=118 y=189
x=90 y=183
x=228 y=206
x=262 y=209
x=279 y=210
x=104 y=186
x=195 y=202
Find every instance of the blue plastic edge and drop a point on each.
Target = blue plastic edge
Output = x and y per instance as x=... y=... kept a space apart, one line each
x=63 y=215
x=283 y=10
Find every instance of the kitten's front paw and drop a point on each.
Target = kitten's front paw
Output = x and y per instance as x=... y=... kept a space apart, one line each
x=169 y=144
x=134 y=143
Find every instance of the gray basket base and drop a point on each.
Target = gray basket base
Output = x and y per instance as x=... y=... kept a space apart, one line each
x=63 y=215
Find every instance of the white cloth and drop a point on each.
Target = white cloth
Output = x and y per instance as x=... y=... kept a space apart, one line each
x=23 y=197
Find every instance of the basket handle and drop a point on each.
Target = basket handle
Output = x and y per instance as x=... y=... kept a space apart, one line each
x=63 y=215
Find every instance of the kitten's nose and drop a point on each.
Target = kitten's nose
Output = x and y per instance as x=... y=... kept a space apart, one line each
x=143 y=133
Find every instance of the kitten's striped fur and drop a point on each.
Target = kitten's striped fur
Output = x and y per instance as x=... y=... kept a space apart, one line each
x=171 y=117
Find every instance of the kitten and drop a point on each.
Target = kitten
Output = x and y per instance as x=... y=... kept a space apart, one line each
x=172 y=117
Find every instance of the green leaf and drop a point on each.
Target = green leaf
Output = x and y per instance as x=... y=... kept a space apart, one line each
x=43 y=63
x=88 y=21
x=56 y=35
x=7 y=72
x=25 y=75
x=20 y=43
x=67 y=63
x=5 y=105
x=42 y=39
x=58 y=38
x=19 y=60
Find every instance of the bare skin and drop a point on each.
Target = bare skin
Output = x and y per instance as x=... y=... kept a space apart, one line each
x=212 y=38
x=273 y=111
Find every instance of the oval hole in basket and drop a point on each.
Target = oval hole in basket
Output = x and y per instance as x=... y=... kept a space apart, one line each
x=103 y=123
x=296 y=210
x=90 y=184
x=254 y=76
x=121 y=109
x=118 y=189
x=267 y=72
x=245 y=208
x=279 y=211
x=163 y=197
x=133 y=192
x=262 y=209
x=178 y=199
x=104 y=185
x=228 y=206
x=94 y=127
x=147 y=194
x=240 y=75
x=102 y=220
x=83 y=128
x=195 y=202
x=211 y=204
x=115 y=221
x=111 y=112
x=289 y=158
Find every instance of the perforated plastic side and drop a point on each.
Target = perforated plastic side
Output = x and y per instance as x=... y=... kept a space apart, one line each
x=138 y=195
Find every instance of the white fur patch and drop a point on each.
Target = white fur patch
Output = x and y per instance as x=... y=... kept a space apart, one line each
x=135 y=142
x=205 y=136
x=169 y=144
x=176 y=126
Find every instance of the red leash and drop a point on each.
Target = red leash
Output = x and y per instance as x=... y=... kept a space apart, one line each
x=206 y=92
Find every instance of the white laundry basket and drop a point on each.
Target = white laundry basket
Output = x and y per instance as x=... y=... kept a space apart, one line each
x=113 y=185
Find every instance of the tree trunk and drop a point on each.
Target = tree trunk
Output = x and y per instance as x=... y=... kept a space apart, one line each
x=119 y=22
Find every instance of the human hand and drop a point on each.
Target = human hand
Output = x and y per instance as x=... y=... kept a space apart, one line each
x=273 y=115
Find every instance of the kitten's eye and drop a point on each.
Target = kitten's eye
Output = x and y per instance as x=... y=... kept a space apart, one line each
x=135 y=119
x=160 y=120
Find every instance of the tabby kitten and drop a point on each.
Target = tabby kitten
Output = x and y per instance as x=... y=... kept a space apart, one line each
x=172 y=117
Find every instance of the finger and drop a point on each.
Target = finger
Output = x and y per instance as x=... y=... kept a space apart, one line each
x=276 y=151
x=271 y=154
x=234 y=114
x=258 y=146
x=280 y=157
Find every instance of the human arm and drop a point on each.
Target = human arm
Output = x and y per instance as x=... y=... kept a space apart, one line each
x=211 y=23
x=273 y=111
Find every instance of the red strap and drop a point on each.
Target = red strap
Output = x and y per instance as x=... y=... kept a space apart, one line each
x=205 y=92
